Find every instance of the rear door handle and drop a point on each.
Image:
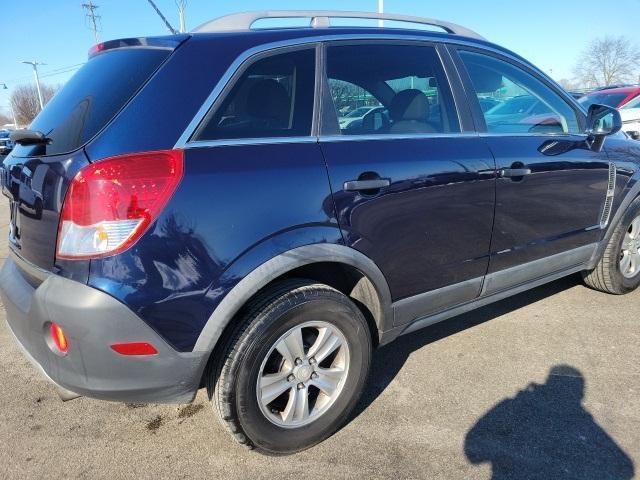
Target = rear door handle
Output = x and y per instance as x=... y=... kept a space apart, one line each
x=373 y=184
x=514 y=172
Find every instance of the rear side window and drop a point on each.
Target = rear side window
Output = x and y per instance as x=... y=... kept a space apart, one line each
x=272 y=98
x=389 y=90
x=515 y=102
x=94 y=95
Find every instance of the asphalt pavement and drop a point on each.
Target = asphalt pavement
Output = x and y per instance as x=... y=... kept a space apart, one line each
x=544 y=385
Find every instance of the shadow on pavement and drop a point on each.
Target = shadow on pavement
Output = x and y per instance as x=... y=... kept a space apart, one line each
x=544 y=432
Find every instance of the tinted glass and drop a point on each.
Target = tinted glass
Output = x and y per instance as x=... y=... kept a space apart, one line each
x=94 y=95
x=272 y=98
x=390 y=89
x=514 y=101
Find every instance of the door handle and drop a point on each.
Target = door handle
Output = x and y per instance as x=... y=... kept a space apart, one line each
x=514 y=172
x=373 y=184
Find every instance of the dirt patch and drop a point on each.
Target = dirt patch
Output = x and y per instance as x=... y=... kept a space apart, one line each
x=190 y=410
x=155 y=424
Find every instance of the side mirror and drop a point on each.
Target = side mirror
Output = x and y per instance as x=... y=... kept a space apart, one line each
x=602 y=121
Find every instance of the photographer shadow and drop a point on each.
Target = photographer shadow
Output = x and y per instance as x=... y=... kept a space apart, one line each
x=544 y=432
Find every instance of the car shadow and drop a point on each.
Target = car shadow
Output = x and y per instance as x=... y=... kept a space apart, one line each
x=544 y=432
x=389 y=359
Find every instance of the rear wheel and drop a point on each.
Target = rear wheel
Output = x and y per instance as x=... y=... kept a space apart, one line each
x=293 y=369
x=618 y=271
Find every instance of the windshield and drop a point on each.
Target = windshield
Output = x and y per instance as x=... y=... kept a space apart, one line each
x=608 y=99
x=93 y=96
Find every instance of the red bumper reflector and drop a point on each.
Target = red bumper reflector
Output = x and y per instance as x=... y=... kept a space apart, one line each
x=58 y=337
x=134 y=348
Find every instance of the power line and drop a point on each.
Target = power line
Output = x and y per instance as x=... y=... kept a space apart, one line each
x=164 y=19
x=48 y=73
x=91 y=15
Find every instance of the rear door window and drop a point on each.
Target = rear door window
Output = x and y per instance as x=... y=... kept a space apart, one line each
x=93 y=96
x=389 y=89
x=273 y=97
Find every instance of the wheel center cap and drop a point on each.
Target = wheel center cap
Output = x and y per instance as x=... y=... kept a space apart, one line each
x=303 y=373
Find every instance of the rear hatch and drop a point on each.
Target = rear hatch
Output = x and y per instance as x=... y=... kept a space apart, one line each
x=35 y=178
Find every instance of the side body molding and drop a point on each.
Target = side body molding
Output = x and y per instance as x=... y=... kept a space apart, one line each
x=280 y=265
x=629 y=194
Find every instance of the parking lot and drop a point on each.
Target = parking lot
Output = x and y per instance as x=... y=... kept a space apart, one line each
x=543 y=385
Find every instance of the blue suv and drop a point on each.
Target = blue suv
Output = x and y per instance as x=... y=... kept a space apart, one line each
x=188 y=213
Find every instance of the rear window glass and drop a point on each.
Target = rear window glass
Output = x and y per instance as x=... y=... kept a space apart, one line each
x=272 y=98
x=93 y=96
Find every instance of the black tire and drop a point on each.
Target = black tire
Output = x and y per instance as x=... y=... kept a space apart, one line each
x=607 y=277
x=232 y=378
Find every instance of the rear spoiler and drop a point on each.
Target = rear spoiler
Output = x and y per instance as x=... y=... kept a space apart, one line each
x=164 y=43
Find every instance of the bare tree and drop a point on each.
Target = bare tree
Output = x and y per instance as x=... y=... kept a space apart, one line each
x=4 y=119
x=24 y=100
x=607 y=61
x=568 y=84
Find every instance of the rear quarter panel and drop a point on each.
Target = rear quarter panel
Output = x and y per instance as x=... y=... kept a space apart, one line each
x=241 y=204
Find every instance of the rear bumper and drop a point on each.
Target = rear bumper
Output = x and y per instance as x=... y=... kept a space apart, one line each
x=92 y=321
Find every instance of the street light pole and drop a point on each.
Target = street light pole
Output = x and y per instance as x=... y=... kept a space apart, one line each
x=13 y=112
x=381 y=10
x=35 y=64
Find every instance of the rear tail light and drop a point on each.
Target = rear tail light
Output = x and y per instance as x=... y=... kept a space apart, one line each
x=111 y=203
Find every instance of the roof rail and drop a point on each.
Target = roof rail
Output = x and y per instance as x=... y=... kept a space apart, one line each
x=320 y=19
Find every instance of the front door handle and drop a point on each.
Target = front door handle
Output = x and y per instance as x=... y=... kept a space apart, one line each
x=514 y=172
x=373 y=184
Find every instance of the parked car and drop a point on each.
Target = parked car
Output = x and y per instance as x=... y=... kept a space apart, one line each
x=6 y=145
x=613 y=97
x=630 y=114
x=487 y=103
x=354 y=119
x=230 y=236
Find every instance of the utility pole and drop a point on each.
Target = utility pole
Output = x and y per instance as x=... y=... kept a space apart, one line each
x=182 y=4
x=91 y=15
x=35 y=64
x=381 y=10
x=164 y=19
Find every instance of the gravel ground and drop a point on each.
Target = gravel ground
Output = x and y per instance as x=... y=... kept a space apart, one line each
x=543 y=385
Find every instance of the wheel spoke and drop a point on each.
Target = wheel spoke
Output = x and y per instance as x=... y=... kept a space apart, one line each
x=291 y=346
x=634 y=230
x=634 y=259
x=272 y=386
x=328 y=379
x=325 y=344
x=627 y=243
x=297 y=408
x=625 y=262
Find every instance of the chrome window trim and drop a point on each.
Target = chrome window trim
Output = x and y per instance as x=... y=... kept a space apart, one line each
x=184 y=142
x=402 y=136
x=581 y=136
x=249 y=141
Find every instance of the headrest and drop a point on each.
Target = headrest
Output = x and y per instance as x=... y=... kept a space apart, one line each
x=409 y=104
x=268 y=99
